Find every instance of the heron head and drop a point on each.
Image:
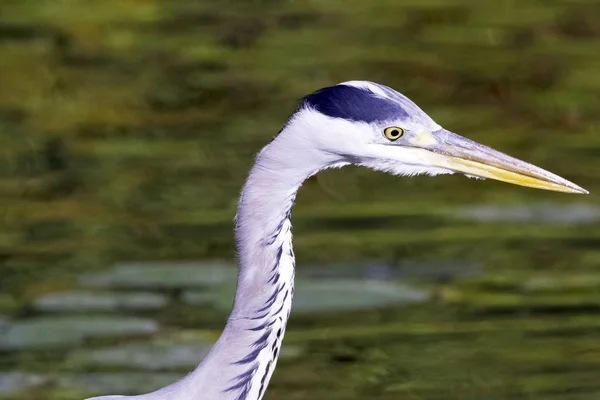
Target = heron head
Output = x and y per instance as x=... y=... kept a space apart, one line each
x=369 y=124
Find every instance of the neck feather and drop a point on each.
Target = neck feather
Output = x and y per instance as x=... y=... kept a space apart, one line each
x=242 y=361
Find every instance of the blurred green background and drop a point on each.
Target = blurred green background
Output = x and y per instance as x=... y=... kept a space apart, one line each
x=127 y=128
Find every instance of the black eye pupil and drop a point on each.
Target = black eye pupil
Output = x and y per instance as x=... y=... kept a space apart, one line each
x=393 y=133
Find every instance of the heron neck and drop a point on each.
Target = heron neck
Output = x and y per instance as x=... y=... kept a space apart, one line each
x=265 y=289
x=240 y=364
x=264 y=233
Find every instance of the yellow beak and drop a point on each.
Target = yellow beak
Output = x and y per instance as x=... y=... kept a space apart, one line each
x=471 y=158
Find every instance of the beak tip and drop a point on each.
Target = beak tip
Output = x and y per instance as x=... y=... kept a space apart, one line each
x=578 y=190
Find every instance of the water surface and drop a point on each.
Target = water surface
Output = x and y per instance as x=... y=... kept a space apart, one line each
x=128 y=128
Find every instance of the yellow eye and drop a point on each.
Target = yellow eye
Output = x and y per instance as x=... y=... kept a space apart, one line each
x=393 y=132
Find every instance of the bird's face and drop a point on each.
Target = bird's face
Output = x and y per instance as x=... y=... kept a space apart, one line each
x=372 y=125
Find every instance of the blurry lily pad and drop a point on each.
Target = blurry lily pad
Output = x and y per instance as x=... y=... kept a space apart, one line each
x=65 y=331
x=311 y=296
x=16 y=381
x=3 y=322
x=367 y=269
x=199 y=297
x=123 y=383
x=327 y=295
x=543 y=213
x=81 y=301
x=157 y=355
x=385 y=271
x=162 y=275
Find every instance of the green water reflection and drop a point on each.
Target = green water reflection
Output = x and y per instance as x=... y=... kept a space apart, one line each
x=127 y=129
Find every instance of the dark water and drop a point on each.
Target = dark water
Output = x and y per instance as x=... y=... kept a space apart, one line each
x=127 y=129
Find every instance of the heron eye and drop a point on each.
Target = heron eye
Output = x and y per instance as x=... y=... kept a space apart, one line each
x=393 y=132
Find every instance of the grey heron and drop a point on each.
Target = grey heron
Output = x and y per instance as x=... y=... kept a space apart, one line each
x=356 y=122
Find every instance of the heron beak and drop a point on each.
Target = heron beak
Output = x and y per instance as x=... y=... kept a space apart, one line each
x=463 y=155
